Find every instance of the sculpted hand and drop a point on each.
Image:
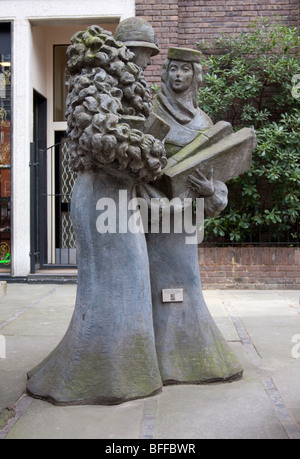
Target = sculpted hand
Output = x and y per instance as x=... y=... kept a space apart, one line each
x=201 y=184
x=214 y=205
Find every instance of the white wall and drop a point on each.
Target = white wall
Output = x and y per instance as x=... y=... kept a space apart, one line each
x=62 y=10
x=32 y=68
x=38 y=60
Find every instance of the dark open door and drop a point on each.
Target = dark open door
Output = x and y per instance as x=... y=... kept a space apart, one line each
x=38 y=211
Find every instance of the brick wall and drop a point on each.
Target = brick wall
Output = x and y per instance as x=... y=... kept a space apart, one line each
x=184 y=22
x=208 y=19
x=252 y=267
x=163 y=16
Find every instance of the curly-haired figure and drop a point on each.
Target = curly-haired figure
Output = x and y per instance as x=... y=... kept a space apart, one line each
x=105 y=86
x=108 y=353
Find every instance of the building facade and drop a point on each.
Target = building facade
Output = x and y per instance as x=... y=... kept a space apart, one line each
x=35 y=230
x=34 y=36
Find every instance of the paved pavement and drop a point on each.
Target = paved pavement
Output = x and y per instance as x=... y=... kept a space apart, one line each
x=262 y=326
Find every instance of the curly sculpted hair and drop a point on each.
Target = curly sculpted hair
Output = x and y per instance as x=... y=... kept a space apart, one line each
x=104 y=86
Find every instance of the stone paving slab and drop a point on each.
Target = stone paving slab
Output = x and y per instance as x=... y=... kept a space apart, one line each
x=265 y=404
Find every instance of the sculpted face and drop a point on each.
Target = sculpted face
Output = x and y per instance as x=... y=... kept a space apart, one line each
x=180 y=75
x=142 y=56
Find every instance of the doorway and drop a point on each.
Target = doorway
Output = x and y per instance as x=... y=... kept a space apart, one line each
x=52 y=181
x=65 y=247
x=38 y=211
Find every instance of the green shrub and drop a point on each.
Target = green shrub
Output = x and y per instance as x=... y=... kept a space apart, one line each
x=253 y=81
